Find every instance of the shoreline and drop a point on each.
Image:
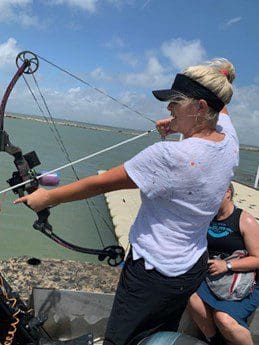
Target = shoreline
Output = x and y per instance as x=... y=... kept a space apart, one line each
x=70 y=123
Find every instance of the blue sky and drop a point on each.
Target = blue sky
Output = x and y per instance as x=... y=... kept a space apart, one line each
x=127 y=48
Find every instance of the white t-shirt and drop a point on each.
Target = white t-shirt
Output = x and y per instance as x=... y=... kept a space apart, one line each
x=182 y=185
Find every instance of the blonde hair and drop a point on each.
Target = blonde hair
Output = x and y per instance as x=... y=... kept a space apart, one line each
x=211 y=116
x=216 y=75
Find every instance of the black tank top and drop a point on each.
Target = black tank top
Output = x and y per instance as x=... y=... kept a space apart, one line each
x=224 y=235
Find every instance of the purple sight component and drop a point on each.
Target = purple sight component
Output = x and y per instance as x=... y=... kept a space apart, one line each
x=50 y=179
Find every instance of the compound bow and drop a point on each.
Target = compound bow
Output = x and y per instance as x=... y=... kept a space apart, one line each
x=28 y=63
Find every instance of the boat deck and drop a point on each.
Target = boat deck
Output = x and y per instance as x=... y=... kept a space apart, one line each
x=124 y=205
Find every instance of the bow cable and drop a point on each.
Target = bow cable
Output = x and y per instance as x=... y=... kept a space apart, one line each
x=96 y=89
x=62 y=146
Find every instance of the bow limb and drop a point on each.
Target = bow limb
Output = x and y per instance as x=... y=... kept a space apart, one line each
x=113 y=254
x=28 y=63
x=9 y=90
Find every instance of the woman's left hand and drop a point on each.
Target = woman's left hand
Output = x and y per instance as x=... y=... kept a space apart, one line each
x=37 y=200
x=217 y=267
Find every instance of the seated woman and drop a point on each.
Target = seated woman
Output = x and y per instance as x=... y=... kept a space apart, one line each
x=230 y=230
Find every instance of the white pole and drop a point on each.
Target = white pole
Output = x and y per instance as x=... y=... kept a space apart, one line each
x=257 y=178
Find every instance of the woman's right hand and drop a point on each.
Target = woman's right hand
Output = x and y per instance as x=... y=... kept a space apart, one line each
x=217 y=266
x=164 y=127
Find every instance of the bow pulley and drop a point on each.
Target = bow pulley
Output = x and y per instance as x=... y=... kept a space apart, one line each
x=30 y=60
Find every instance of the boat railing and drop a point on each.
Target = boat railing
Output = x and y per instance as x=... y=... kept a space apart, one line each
x=256 y=178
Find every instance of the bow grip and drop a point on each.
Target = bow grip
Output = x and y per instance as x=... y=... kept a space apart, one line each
x=42 y=223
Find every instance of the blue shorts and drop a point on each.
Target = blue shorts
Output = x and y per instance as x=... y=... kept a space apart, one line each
x=239 y=310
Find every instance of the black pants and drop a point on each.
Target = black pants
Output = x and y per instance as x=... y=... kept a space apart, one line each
x=146 y=301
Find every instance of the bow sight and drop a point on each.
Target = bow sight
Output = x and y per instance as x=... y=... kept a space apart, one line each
x=32 y=161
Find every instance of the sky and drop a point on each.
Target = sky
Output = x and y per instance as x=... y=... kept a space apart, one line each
x=126 y=49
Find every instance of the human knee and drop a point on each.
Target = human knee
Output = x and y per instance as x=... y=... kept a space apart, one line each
x=194 y=299
x=224 y=321
x=195 y=303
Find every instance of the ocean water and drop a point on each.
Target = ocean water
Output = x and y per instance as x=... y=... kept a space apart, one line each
x=86 y=224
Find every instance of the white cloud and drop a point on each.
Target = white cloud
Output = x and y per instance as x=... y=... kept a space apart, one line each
x=18 y=11
x=115 y=42
x=91 y=6
x=153 y=76
x=120 y=3
x=28 y=20
x=8 y=52
x=7 y=5
x=146 y=3
x=245 y=113
x=99 y=74
x=183 y=53
x=180 y=54
x=86 y=5
x=129 y=59
x=87 y=105
x=232 y=21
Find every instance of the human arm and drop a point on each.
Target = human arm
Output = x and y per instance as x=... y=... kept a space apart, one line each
x=113 y=179
x=250 y=231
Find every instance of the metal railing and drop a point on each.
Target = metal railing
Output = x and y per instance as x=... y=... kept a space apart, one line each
x=256 y=178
